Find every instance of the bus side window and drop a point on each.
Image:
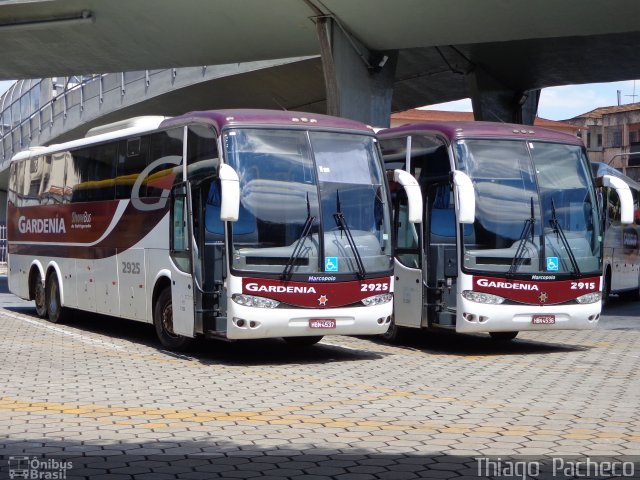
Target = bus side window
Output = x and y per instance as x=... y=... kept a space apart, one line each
x=132 y=160
x=179 y=239
x=164 y=146
x=212 y=220
x=406 y=234
x=102 y=171
x=78 y=183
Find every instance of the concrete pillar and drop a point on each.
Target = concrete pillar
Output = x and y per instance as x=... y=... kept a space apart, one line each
x=494 y=102
x=359 y=81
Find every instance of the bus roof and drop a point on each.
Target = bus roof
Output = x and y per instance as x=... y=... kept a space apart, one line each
x=249 y=117
x=459 y=130
x=218 y=118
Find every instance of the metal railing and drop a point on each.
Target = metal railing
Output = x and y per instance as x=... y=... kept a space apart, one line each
x=34 y=112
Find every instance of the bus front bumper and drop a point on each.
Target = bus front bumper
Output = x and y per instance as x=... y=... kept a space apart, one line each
x=252 y=323
x=476 y=317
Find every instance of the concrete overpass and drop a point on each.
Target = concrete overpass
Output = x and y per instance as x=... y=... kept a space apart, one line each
x=376 y=56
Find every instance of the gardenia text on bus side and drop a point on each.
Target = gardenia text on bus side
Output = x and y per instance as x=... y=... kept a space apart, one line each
x=41 y=225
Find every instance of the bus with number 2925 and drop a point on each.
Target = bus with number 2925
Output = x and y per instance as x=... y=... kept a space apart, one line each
x=235 y=224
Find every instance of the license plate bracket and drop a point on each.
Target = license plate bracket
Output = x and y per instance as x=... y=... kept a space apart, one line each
x=322 y=323
x=543 y=319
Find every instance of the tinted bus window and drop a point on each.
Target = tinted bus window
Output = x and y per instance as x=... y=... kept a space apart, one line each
x=132 y=160
x=165 y=156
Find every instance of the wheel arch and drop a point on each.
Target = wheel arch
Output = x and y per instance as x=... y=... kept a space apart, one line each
x=162 y=281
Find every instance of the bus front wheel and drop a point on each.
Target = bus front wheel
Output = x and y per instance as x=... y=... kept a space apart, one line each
x=40 y=296
x=163 y=321
x=394 y=334
x=55 y=310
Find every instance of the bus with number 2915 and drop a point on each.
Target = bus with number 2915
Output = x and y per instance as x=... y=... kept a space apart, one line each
x=511 y=238
x=621 y=245
x=235 y=224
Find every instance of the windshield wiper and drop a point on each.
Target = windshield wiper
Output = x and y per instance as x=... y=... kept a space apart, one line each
x=342 y=225
x=297 y=249
x=527 y=230
x=558 y=230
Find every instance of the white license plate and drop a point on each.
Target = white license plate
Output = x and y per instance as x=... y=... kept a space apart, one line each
x=322 y=323
x=543 y=319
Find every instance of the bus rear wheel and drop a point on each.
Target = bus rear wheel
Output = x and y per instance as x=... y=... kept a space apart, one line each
x=56 y=312
x=163 y=322
x=503 y=336
x=40 y=297
x=303 y=341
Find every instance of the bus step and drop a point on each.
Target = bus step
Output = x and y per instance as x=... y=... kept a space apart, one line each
x=214 y=326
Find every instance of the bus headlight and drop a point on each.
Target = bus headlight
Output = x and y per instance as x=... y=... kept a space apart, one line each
x=377 y=299
x=253 y=301
x=479 y=297
x=592 y=297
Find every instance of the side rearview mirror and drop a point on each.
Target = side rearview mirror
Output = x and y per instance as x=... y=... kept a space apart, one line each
x=230 y=186
x=414 y=195
x=624 y=193
x=465 y=197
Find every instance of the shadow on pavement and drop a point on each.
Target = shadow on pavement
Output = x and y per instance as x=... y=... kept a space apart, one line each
x=450 y=343
x=225 y=459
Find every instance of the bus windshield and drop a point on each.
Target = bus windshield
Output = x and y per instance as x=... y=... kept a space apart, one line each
x=536 y=209
x=310 y=202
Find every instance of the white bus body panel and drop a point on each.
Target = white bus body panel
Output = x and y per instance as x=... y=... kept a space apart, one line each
x=132 y=291
x=182 y=302
x=408 y=296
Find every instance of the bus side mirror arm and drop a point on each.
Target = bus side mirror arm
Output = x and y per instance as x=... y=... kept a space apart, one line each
x=624 y=193
x=230 y=193
x=465 y=197
x=414 y=195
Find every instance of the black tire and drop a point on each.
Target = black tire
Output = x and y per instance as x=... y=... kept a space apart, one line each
x=40 y=296
x=394 y=333
x=503 y=336
x=303 y=341
x=55 y=311
x=163 y=321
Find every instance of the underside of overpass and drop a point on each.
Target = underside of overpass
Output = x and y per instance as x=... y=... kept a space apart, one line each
x=375 y=56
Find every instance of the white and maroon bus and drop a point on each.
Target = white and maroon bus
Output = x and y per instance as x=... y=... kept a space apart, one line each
x=237 y=224
x=621 y=245
x=511 y=237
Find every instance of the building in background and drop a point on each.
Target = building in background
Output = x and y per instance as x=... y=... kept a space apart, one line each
x=612 y=136
x=419 y=116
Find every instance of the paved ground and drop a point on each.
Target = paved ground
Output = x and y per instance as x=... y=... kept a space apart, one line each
x=100 y=393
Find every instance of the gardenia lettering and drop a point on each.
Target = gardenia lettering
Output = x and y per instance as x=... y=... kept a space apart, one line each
x=41 y=225
x=483 y=282
x=254 y=287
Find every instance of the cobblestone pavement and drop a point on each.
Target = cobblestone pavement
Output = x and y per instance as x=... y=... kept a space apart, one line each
x=101 y=394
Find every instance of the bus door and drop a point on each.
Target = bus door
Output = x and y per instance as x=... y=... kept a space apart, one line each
x=408 y=289
x=182 y=297
x=441 y=267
